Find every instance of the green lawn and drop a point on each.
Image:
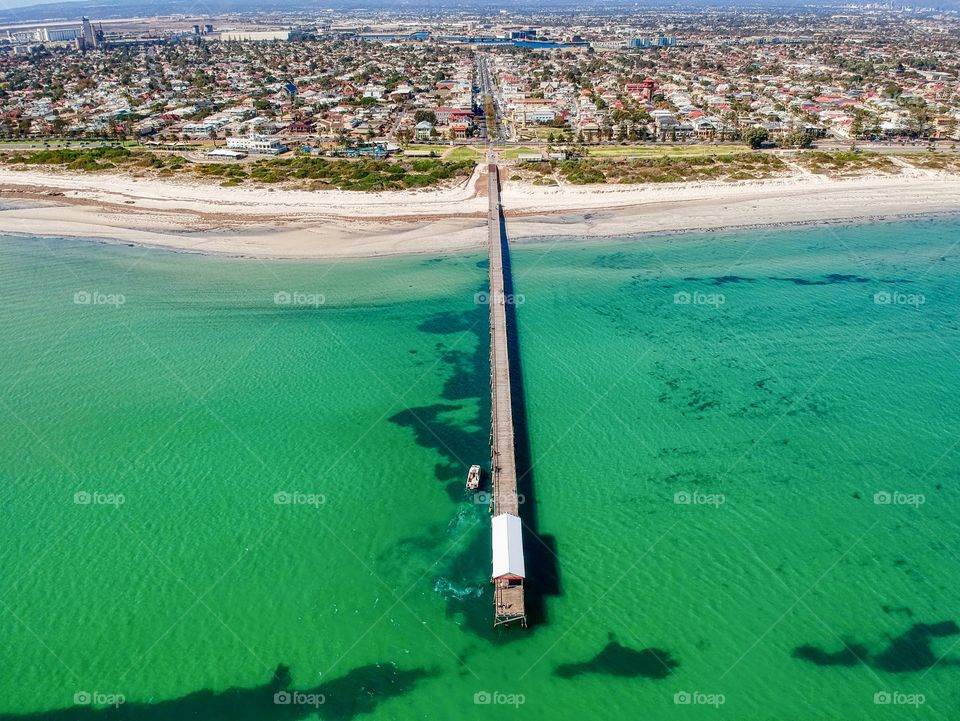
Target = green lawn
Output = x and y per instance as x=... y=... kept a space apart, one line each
x=514 y=153
x=439 y=149
x=464 y=152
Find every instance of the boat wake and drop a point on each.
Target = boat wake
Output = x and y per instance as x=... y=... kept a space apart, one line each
x=465 y=517
x=446 y=588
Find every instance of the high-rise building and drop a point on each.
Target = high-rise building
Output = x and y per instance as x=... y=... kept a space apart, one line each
x=90 y=39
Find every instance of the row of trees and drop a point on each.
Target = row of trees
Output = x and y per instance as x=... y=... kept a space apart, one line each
x=756 y=137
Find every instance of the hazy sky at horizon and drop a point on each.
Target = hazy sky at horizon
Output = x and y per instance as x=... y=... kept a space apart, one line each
x=14 y=4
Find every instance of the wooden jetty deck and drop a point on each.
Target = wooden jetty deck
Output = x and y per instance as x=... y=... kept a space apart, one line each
x=509 y=603
x=504 y=469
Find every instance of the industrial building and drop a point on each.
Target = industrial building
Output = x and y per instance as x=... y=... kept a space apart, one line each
x=256 y=35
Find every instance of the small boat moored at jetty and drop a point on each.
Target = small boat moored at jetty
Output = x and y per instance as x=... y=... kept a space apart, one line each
x=473 y=478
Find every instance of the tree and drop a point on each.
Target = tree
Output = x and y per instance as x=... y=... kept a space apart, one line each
x=858 y=124
x=756 y=137
x=918 y=122
x=892 y=90
x=428 y=115
x=798 y=139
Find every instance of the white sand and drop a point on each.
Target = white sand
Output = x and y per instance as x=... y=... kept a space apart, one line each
x=605 y=210
x=299 y=224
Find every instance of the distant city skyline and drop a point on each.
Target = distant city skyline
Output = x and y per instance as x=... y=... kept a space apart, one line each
x=213 y=6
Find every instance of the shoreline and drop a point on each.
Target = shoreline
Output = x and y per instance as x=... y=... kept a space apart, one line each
x=777 y=225
x=281 y=224
x=530 y=240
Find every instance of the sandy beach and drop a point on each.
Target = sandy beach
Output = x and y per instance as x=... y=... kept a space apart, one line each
x=269 y=222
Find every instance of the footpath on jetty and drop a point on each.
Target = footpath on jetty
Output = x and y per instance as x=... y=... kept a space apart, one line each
x=506 y=528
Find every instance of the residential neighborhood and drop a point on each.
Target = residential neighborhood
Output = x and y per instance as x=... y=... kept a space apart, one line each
x=885 y=74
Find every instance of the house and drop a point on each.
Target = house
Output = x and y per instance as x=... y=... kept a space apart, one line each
x=704 y=129
x=444 y=114
x=300 y=127
x=459 y=131
x=664 y=121
x=642 y=91
x=461 y=116
x=423 y=130
x=590 y=130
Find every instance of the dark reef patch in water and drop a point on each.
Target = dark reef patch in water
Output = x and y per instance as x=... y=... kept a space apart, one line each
x=830 y=279
x=909 y=652
x=457 y=442
x=899 y=610
x=357 y=693
x=462 y=381
x=621 y=261
x=721 y=279
x=621 y=661
x=431 y=431
x=448 y=322
x=850 y=655
x=457 y=574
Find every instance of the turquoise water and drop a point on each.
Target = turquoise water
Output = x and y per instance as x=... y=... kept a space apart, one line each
x=745 y=452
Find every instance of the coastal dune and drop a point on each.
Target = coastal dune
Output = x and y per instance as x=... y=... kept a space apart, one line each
x=278 y=223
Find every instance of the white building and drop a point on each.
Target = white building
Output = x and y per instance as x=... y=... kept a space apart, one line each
x=260 y=144
x=59 y=35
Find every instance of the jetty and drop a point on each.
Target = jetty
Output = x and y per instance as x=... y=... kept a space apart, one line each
x=506 y=527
